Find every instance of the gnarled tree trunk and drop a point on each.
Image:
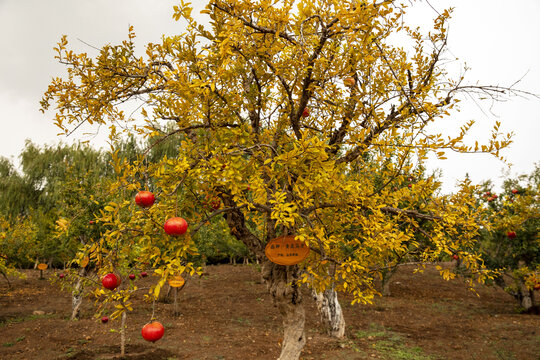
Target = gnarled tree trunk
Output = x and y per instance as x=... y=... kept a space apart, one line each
x=519 y=291
x=286 y=294
x=525 y=297
x=330 y=312
x=77 y=296
x=281 y=282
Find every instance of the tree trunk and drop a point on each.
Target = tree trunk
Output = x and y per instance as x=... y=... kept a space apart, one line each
x=76 y=302
x=527 y=301
x=386 y=287
x=7 y=279
x=386 y=276
x=330 y=312
x=123 y=334
x=176 y=312
x=77 y=296
x=519 y=291
x=526 y=297
x=286 y=295
x=281 y=281
x=165 y=296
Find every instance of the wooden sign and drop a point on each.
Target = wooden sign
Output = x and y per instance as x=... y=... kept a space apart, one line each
x=285 y=250
x=176 y=281
x=42 y=266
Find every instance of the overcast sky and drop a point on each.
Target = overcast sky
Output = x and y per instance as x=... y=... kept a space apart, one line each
x=496 y=38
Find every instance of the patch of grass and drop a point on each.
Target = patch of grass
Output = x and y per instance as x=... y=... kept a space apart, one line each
x=396 y=350
x=389 y=344
x=11 y=343
x=243 y=321
x=256 y=266
x=504 y=354
x=374 y=331
x=20 y=319
x=444 y=307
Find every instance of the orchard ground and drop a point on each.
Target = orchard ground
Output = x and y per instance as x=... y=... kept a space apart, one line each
x=228 y=314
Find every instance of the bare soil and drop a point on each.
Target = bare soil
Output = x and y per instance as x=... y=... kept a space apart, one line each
x=228 y=314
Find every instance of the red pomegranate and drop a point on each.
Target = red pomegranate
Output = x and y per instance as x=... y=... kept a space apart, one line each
x=175 y=226
x=110 y=281
x=144 y=199
x=152 y=331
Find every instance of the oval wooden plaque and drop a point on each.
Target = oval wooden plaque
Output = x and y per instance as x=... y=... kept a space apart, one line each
x=42 y=266
x=285 y=250
x=176 y=281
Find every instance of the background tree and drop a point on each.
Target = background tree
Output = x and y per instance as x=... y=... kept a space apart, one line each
x=17 y=196
x=54 y=172
x=82 y=194
x=277 y=104
x=510 y=244
x=17 y=244
x=45 y=191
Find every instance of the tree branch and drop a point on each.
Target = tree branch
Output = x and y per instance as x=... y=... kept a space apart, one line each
x=255 y=27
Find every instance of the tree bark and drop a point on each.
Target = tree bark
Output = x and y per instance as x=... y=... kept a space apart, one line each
x=7 y=279
x=280 y=280
x=526 y=301
x=386 y=276
x=386 y=287
x=526 y=297
x=77 y=296
x=330 y=312
x=176 y=312
x=123 y=334
x=286 y=294
x=520 y=292
x=165 y=296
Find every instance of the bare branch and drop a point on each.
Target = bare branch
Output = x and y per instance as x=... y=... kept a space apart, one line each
x=255 y=27
x=386 y=209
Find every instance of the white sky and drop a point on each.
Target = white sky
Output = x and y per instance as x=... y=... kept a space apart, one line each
x=498 y=39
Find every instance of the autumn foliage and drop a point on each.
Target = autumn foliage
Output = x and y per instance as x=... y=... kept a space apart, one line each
x=236 y=91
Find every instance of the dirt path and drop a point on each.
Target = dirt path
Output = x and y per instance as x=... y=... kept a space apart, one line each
x=228 y=314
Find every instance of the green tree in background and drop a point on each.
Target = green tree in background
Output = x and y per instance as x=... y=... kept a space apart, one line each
x=510 y=243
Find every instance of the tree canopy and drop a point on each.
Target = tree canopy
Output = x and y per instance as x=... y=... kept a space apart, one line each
x=303 y=117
